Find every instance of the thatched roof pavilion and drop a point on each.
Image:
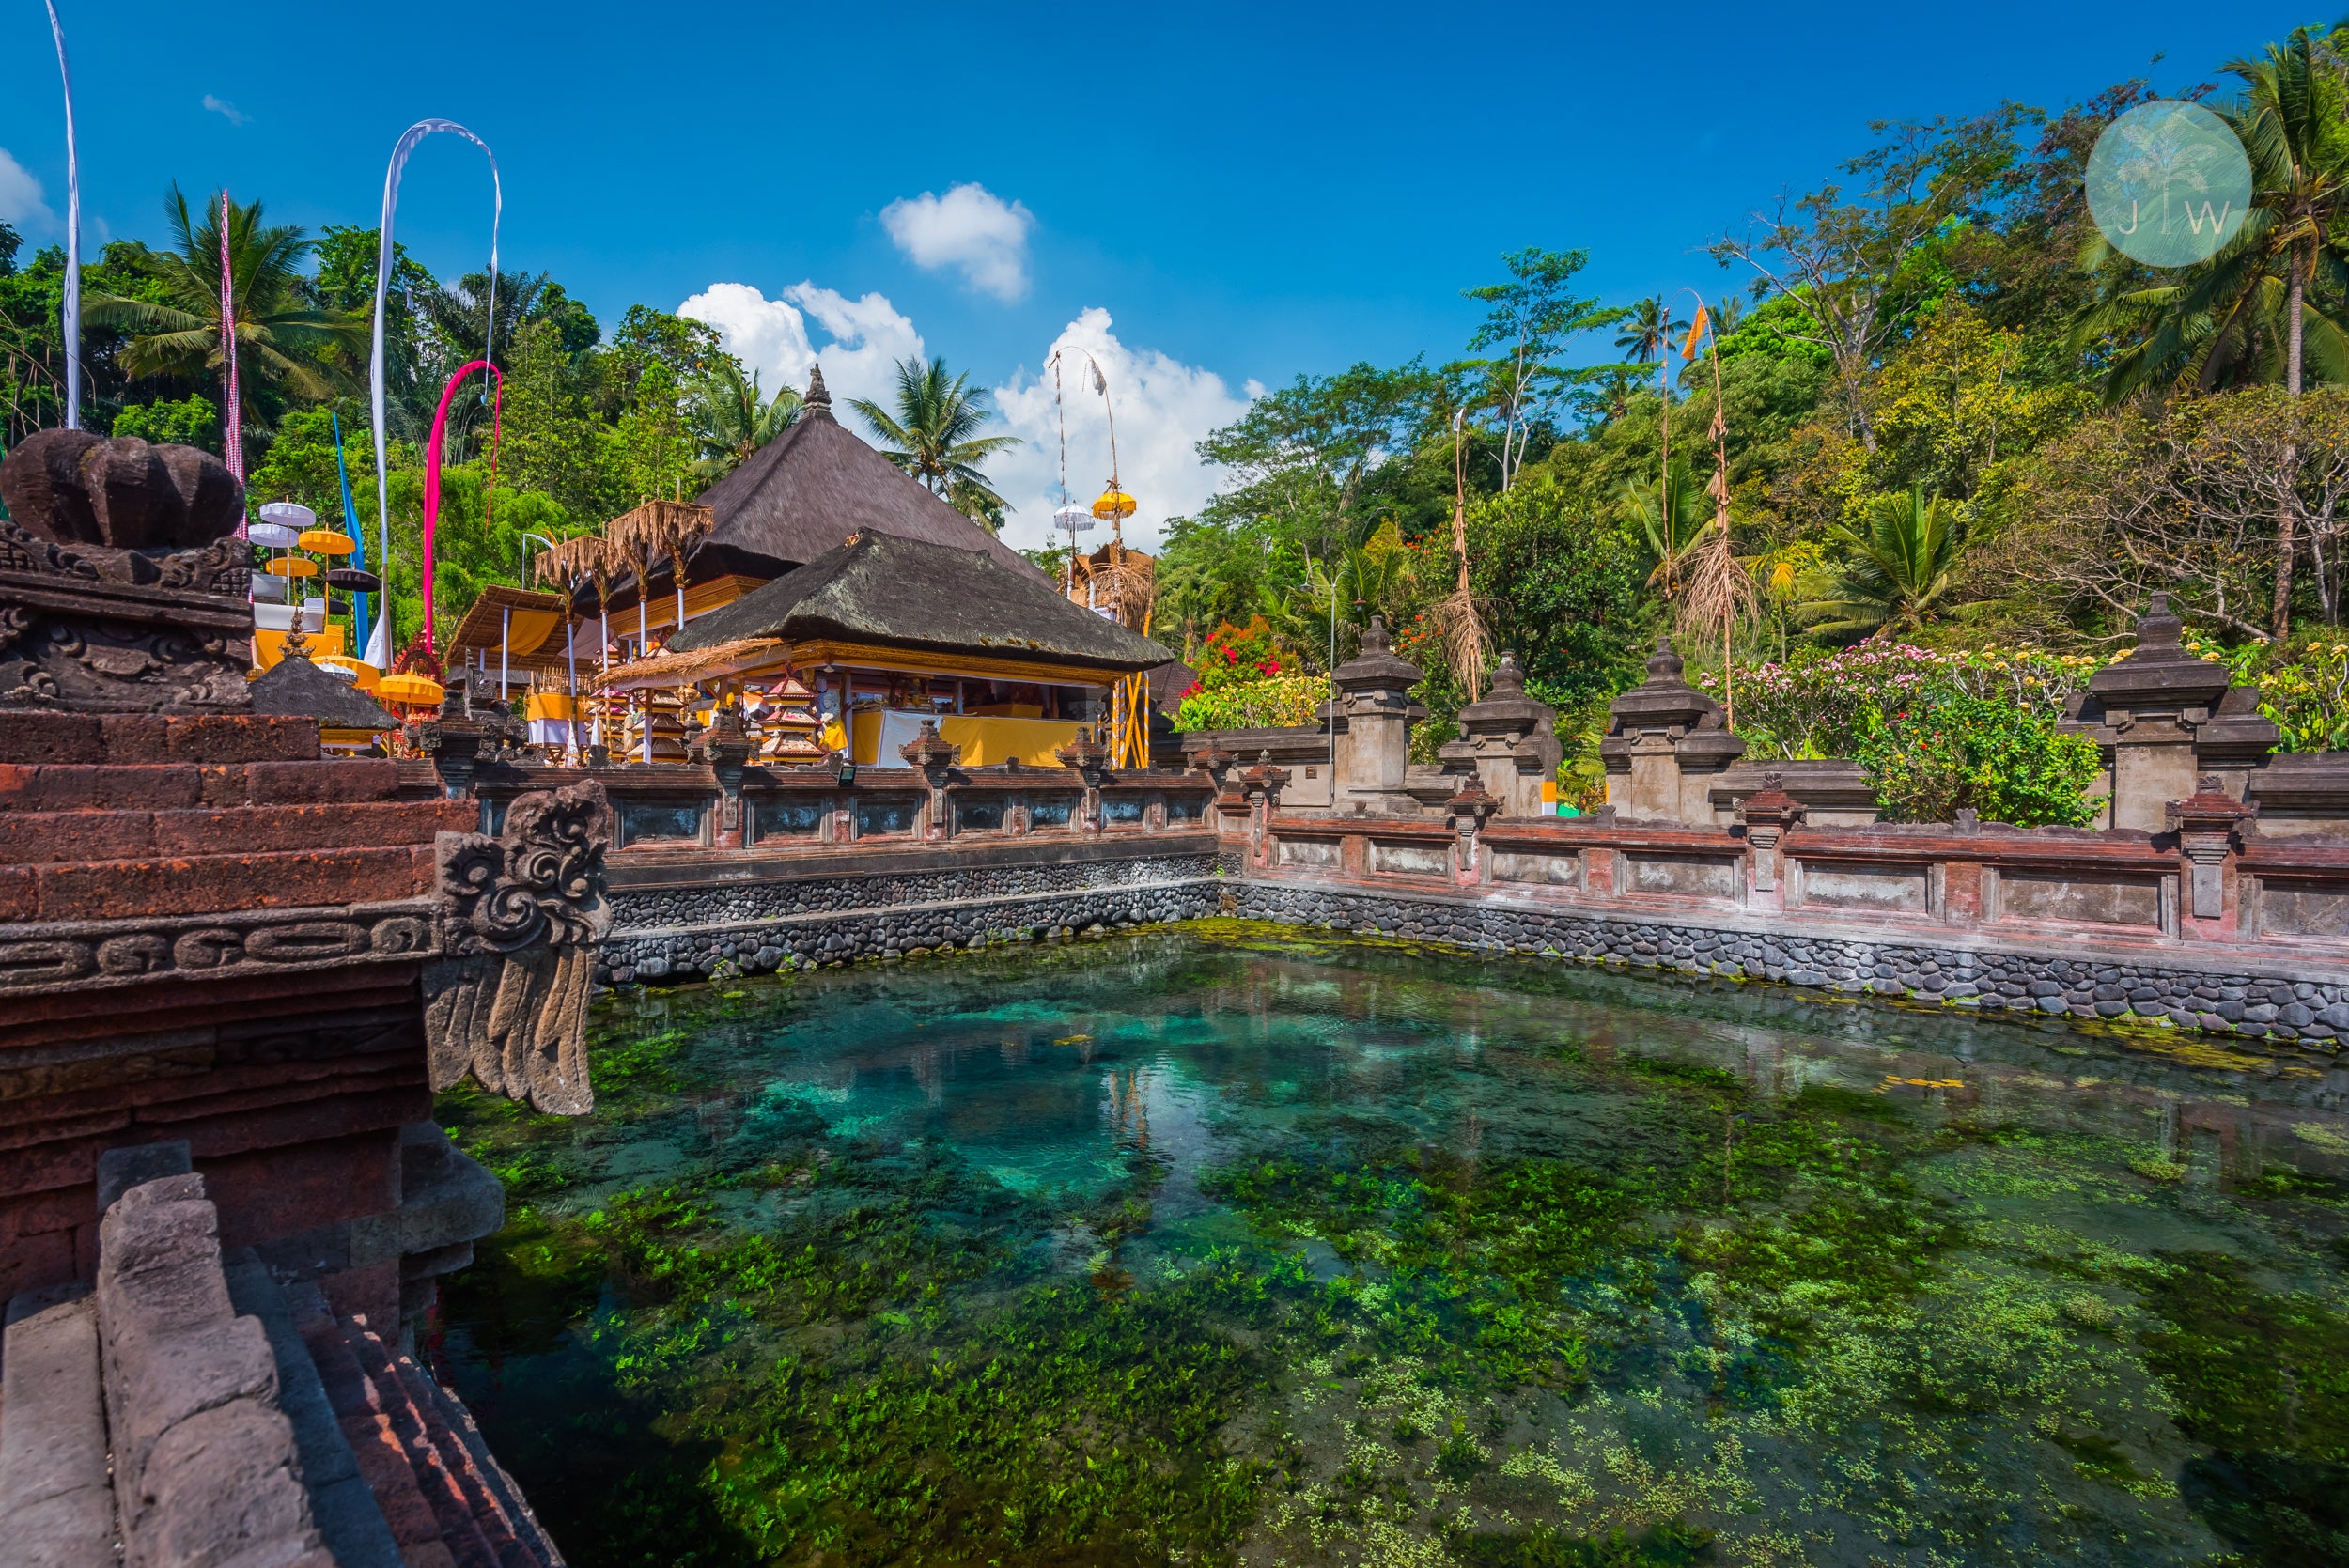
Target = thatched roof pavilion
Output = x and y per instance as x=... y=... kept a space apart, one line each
x=791 y=502
x=886 y=600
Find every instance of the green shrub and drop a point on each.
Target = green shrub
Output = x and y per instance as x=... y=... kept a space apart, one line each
x=2006 y=762
x=194 y=420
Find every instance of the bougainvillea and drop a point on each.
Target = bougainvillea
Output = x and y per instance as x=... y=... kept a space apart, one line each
x=1247 y=680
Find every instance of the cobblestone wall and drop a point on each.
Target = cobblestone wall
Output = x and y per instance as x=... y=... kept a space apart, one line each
x=685 y=933
x=2307 y=1016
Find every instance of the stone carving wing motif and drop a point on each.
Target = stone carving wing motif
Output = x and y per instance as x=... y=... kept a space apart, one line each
x=521 y=915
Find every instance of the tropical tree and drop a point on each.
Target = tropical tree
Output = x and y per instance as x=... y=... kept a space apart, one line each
x=932 y=436
x=1531 y=317
x=1897 y=573
x=1645 y=331
x=732 y=418
x=1671 y=518
x=281 y=337
x=2274 y=304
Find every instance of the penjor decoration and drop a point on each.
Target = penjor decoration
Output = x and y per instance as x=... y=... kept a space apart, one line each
x=71 y=312
x=380 y=644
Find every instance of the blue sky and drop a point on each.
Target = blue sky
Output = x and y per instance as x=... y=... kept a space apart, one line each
x=1203 y=196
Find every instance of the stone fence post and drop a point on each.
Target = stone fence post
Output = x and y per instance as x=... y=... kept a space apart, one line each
x=1374 y=713
x=2162 y=718
x=2208 y=823
x=1665 y=743
x=1509 y=741
x=725 y=749
x=1469 y=807
x=1261 y=787
x=1768 y=815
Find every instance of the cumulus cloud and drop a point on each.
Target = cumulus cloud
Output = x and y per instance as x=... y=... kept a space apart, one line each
x=968 y=228
x=867 y=336
x=225 y=110
x=1164 y=408
x=22 y=206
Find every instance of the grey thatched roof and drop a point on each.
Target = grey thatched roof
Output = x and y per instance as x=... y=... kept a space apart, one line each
x=811 y=487
x=883 y=588
x=297 y=689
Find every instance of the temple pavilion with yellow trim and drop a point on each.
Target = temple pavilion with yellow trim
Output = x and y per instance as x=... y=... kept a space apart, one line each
x=819 y=581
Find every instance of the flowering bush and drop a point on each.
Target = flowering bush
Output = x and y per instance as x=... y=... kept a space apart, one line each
x=1267 y=704
x=1238 y=655
x=2004 y=760
x=2304 y=691
x=1818 y=703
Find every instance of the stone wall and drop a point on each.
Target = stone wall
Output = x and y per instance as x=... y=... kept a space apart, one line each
x=2281 y=998
x=823 y=909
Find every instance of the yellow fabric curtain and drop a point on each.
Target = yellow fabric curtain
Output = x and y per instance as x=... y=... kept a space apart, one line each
x=985 y=741
x=528 y=628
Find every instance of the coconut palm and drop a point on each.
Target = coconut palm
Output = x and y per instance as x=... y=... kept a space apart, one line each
x=1895 y=573
x=281 y=340
x=2274 y=304
x=731 y=418
x=1646 y=331
x=931 y=436
x=1672 y=518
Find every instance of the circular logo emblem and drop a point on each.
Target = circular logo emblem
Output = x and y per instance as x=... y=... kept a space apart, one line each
x=2168 y=183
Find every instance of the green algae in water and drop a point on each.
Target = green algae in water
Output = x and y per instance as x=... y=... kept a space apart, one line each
x=1229 y=1245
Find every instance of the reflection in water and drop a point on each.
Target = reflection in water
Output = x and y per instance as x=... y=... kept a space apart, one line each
x=1230 y=1245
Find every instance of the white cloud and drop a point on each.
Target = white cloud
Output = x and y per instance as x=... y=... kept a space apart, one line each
x=970 y=227
x=225 y=110
x=1164 y=408
x=868 y=336
x=21 y=204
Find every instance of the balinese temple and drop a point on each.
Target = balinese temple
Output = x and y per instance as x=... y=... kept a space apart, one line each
x=888 y=631
x=841 y=603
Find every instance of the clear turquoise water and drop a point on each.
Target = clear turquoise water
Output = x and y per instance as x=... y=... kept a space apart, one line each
x=1230 y=1245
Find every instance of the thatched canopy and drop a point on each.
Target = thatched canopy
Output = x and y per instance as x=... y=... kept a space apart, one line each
x=882 y=591
x=664 y=671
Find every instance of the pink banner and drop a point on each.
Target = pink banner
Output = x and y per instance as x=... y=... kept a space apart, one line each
x=432 y=468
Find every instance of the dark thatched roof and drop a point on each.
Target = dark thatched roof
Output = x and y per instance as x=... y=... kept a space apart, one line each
x=882 y=588
x=811 y=487
x=295 y=687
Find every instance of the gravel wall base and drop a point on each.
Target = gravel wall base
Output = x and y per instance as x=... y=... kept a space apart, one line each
x=2301 y=1014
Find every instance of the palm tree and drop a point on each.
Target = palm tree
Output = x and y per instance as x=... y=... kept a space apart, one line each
x=2275 y=302
x=731 y=418
x=1646 y=331
x=931 y=437
x=1673 y=518
x=281 y=340
x=1896 y=574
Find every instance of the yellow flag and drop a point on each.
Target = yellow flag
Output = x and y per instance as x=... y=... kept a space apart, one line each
x=1696 y=330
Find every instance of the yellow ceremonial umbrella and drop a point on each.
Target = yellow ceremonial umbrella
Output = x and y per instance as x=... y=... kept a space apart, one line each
x=293 y=565
x=1114 y=503
x=413 y=689
x=325 y=541
x=366 y=678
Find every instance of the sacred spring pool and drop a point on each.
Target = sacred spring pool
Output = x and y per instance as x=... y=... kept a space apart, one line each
x=1227 y=1244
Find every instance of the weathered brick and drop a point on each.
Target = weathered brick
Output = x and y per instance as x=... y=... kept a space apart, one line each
x=301 y=783
x=253 y=828
x=115 y=889
x=209 y=738
x=35 y=1261
x=284 y=1190
x=20 y=893
x=75 y=787
x=35 y=837
x=42 y=737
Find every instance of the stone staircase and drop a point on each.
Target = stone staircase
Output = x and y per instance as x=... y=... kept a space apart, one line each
x=191 y=1409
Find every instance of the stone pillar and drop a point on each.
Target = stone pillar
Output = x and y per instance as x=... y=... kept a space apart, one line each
x=1665 y=743
x=2208 y=823
x=1261 y=787
x=453 y=739
x=1768 y=815
x=725 y=749
x=2150 y=714
x=934 y=756
x=1089 y=759
x=1374 y=712
x=1509 y=741
x=1468 y=809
